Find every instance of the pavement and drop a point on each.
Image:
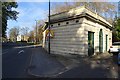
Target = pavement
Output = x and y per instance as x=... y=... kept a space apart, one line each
x=87 y=67
x=43 y=64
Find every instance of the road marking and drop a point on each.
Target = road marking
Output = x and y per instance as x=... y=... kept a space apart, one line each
x=5 y=51
x=29 y=46
x=21 y=51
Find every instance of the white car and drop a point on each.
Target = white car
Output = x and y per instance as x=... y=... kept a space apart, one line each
x=115 y=47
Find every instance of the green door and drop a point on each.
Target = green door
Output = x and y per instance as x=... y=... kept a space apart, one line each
x=90 y=43
x=106 y=41
x=100 y=41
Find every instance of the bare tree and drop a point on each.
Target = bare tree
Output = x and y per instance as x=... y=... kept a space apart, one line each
x=101 y=8
x=24 y=33
x=31 y=36
x=40 y=25
x=13 y=33
x=40 y=33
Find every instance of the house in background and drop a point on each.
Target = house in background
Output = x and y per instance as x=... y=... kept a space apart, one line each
x=79 y=31
x=22 y=38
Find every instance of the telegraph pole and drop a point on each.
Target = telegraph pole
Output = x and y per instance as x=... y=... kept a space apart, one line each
x=49 y=29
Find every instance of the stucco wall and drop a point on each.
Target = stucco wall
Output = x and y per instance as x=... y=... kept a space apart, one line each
x=69 y=38
x=95 y=27
x=73 y=37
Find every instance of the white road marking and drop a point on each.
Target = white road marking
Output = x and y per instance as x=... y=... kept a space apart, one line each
x=29 y=46
x=5 y=51
x=21 y=51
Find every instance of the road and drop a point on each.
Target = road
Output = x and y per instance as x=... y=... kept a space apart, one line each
x=15 y=61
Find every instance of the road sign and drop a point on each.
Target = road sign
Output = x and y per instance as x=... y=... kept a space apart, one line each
x=49 y=32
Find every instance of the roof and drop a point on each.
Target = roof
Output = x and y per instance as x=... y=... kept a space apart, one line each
x=78 y=12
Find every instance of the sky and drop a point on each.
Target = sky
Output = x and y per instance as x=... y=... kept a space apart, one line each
x=30 y=11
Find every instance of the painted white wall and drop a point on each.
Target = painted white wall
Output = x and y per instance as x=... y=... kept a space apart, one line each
x=73 y=37
x=95 y=27
x=19 y=38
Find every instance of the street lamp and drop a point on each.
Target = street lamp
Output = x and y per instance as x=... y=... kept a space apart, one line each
x=49 y=29
x=36 y=32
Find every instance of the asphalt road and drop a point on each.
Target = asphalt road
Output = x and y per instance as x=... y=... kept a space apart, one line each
x=15 y=61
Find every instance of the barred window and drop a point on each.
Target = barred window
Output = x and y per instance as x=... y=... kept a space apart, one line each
x=58 y=24
x=67 y=22
x=77 y=21
x=51 y=25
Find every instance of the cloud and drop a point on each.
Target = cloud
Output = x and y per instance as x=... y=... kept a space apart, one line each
x=28 y=13
x=32 y=12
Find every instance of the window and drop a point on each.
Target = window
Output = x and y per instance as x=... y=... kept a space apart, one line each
x=58 y=24
x=51 y=25
x=67 y=22
x=77 y=21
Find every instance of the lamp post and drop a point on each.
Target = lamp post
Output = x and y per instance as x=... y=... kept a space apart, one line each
x=36 y=32
x=49 y=29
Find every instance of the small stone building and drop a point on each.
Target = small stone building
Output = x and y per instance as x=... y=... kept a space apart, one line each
x=22 y=38
x=79 y=31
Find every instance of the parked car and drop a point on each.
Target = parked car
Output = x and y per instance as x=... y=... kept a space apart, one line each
x=115 y=48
